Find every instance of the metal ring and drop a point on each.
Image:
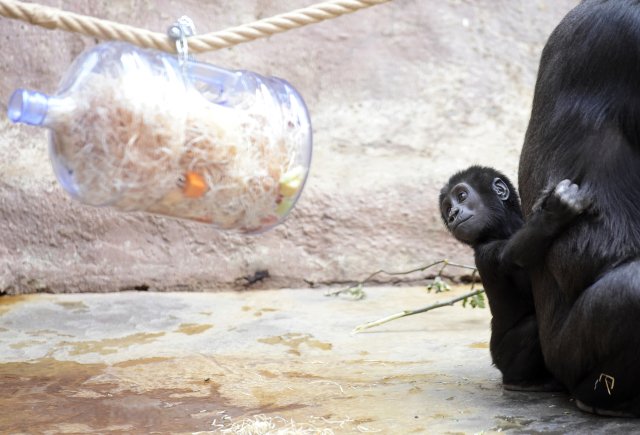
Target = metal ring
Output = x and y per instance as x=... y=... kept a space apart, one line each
x=180 y=31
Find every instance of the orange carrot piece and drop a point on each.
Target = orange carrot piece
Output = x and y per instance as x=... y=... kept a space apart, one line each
x=194 y=185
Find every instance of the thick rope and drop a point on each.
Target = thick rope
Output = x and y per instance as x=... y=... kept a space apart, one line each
x=53 y=18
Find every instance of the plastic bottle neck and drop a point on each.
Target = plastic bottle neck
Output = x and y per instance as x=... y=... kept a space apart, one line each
x=28 y=107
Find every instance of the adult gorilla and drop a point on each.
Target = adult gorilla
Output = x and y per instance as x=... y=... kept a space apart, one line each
x=585 y=126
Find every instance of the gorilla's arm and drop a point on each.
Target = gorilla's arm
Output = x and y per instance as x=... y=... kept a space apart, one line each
x=555 y=210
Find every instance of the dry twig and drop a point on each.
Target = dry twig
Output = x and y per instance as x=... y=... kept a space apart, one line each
x=473 y=297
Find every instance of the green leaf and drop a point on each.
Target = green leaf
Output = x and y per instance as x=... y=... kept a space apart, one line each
x=481 y=303
x=438 y=285
x=477 y=301
x=356 y=292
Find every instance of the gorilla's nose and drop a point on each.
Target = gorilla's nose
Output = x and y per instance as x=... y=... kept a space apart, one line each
x=453 y=214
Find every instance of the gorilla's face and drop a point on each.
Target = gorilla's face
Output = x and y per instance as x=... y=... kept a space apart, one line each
x=468 y=213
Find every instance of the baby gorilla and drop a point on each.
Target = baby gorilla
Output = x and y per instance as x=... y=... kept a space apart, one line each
x=480 y=207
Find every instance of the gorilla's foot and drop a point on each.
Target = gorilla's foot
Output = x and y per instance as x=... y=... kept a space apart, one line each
x=604 y=412
x=548 y=386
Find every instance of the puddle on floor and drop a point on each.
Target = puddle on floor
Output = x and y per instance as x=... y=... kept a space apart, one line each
x=186 y=363
x=73 y=305
x=8 y=302
x=479 y=345
x=110 y=345
x=506 y=423
x=174 y=371
x=259 y=311
x=50 y=395
x=219 y=393
x=294 y=340
x=193 y=328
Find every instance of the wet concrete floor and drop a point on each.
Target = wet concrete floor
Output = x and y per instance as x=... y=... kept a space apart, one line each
x=281 y=361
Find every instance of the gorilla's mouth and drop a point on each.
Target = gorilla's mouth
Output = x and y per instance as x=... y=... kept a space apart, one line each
x=455 y=227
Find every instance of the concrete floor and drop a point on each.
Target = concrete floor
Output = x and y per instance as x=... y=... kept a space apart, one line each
x=281 y=361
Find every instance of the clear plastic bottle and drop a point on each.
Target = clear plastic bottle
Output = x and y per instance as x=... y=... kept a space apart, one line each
x=135 y=130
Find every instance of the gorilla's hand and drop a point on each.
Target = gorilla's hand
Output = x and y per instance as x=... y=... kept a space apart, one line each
x=567 y=199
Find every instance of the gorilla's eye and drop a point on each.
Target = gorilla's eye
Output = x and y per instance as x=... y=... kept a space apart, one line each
x=462 y=196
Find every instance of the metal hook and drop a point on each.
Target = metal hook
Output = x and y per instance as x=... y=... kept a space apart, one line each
x=179 y=32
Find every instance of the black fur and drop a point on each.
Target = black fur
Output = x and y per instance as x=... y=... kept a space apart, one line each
x=585 y=125
x=502 y=247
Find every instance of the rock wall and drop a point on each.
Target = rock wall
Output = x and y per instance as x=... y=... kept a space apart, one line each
x=401 y=95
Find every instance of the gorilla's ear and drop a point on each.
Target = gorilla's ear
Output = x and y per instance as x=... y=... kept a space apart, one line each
x=500 y=188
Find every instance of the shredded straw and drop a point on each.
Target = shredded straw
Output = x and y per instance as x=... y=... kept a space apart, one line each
x=265 y=425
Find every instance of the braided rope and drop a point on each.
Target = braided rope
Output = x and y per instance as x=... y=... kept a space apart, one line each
x=53 y=18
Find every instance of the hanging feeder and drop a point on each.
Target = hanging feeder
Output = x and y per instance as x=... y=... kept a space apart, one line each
x=142 y=130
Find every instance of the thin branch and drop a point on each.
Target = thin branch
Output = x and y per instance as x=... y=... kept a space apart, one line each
x=444 y=263
x=358 y=285
x=407 y=313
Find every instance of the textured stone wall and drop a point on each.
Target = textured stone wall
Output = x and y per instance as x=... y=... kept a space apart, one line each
x=401 y=95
